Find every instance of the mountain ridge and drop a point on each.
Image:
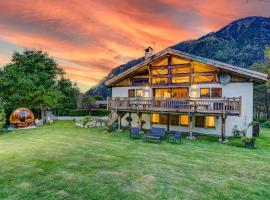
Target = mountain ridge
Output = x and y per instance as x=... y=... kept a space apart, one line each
x=240 y=43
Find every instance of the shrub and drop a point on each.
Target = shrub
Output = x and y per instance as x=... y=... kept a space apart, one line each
x=2 y=117
x=86 y=119
x=83 y=112
x=266 y=124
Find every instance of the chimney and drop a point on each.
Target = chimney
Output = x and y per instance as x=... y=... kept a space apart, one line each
x=148 y=52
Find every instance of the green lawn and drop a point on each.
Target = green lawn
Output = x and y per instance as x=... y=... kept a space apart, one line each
x=62 y=161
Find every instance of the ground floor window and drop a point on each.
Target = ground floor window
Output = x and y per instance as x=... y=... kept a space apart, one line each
x=159 y=119
x=184 y=119
x=155 y=118
x=205 y=121
x=199 y=121
x=174 y=120
x=210 y=121
x=163 y=119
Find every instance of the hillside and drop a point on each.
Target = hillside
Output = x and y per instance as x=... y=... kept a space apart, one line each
x=240 y=43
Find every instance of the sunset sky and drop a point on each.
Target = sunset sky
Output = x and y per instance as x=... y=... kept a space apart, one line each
x=88 y=38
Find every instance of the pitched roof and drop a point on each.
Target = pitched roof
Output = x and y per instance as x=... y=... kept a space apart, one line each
x=257 y=77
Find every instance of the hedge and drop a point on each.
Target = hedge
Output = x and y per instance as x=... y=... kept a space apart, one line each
x=83 y=112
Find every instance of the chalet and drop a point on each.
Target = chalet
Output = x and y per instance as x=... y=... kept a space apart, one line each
x=183 y=92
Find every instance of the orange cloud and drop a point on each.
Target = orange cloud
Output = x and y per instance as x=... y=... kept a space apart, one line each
x=89 y=38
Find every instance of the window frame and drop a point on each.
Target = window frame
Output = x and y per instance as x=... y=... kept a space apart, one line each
x=185 y=125
x=196 y=126
x=205 y=96
x=215 y=121
x=216 y=88
x=131 y=90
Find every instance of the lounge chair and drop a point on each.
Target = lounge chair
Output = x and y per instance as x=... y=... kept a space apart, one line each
x=174 y=138
x=135 y=132
x=155 y=134
x=158 y=132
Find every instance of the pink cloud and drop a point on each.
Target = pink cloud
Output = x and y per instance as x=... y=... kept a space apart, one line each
x=92 y=37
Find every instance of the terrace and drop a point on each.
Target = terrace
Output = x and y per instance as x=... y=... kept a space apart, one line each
x=228 y=106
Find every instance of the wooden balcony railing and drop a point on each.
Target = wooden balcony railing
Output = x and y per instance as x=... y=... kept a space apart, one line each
x=229 y=106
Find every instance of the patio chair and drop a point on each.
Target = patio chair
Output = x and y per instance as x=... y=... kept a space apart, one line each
x=157 y=132
x=135 y=132
x=174 y=138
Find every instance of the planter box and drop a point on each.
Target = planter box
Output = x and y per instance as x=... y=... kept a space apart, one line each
x=250 y=145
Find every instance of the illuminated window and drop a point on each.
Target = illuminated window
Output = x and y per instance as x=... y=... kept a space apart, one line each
x=161 y=62
x=180 y=70
x=139 y=93
x=180 y=79
x=131 y=93
x=180 y=92
x=163 y=93
x=205 y=92
x=174 y=120
x=155 y=118
x=216 y=92
x=204 y=78
x=199 y=67
x=178 y=61
x=159 y=71
x=199 y=121
x=210 y=121
x=184 y=119
x=159 y=81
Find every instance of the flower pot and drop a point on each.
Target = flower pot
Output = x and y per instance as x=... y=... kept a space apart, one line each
x=250 y=144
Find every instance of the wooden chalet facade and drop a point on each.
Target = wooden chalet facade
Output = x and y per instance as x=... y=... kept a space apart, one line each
x=184 y=92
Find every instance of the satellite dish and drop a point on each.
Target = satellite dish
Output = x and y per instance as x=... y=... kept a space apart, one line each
x=224 y=78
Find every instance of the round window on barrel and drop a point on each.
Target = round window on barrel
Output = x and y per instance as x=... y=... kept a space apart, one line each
x=21 y=117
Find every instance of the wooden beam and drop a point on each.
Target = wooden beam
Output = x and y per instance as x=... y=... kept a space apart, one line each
x=168 y=123
x=223 y=121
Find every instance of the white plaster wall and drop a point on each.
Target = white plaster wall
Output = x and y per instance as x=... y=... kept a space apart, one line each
x=245 y=90
x=123 y=91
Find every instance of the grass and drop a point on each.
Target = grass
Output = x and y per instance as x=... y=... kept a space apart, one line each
x=62 y=161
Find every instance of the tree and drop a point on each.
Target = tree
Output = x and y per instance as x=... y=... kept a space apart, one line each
x=2 y=117
x=33 y=80
x=262 y=92
x=70 y=91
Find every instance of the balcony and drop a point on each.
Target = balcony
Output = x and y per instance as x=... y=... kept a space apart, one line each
x=228 y=106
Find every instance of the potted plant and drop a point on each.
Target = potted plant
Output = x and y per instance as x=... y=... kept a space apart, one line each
x=249 y=142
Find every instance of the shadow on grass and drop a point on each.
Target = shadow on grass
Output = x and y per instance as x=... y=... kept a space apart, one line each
x=4 y=131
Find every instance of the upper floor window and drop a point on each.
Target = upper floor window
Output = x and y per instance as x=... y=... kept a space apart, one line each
x=139 y=93
x=204 y=78
x=163 y=93
x=216 y=92
x=131 y=93
x=159 y=81
x=205 y=92
x=180 y=70
x=163 y=71
x=180 y=79
x=180 y=92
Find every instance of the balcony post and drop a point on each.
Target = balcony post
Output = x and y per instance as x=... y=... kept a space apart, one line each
x=223 y=121
x=190 y=126
x=168 y=123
